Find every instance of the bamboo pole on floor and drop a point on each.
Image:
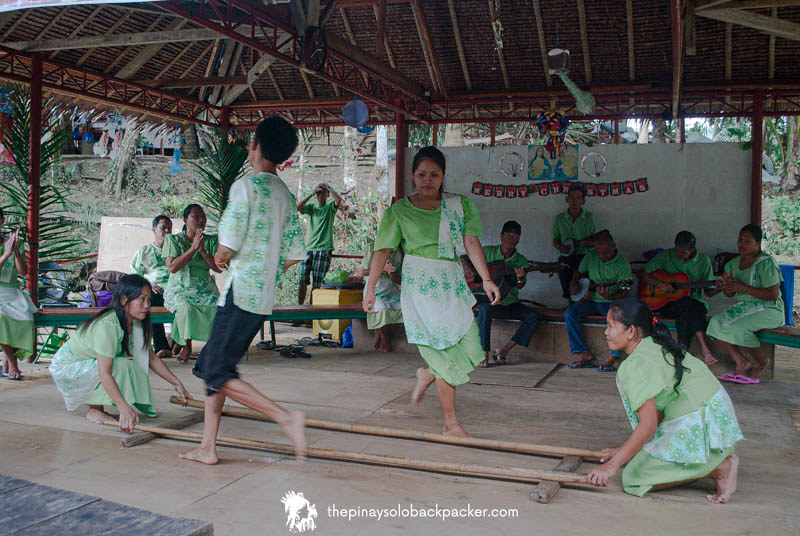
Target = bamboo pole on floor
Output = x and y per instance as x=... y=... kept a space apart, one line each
x=493 y=444
x=474 y=470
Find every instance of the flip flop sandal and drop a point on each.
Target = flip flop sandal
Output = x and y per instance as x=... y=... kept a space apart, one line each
x=580 y=363
x=266 y=345
x=288 y=351
x=739 y=378
x=486 y=364
x=498 y=359
x=727 y=377
x=606 y=368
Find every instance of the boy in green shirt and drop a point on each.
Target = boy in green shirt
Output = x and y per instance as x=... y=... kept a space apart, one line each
x=603 y=265
x=690 y=311
x=574 y=225
x=510 y=308
x=319 y=243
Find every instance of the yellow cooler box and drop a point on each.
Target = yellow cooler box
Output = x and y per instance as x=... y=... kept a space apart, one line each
x=333 y=296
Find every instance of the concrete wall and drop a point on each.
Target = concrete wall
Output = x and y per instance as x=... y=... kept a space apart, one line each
x=704 y=188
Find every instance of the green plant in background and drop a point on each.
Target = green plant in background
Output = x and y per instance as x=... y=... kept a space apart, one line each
x=57 y=237
x=218 y=168
x=784 y=239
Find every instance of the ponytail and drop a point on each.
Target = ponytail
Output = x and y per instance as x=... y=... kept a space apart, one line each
x=634 y=312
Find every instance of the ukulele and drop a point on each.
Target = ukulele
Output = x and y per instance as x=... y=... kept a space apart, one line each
x=655 y=298
x=504 y=277
x=586 y=286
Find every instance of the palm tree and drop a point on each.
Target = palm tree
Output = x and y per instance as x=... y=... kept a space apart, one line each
x=220 y=164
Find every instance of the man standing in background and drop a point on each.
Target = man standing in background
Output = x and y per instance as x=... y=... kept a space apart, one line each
x=319 y=238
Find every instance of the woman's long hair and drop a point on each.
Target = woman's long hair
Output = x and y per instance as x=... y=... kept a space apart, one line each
x=131 y=287
x=634 y=312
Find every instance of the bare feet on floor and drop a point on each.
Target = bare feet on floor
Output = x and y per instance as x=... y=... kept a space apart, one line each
x=709 y=359
x=745 y=370
x=98 y=416
x=454 y=430
x=724 y=477
x=183 y=356
x=424 y=379
x=208 y=457
x=295 y=430
x=756 y=370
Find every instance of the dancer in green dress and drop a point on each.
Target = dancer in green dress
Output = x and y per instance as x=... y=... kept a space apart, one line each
x=755 y=280
x=106 y=362
x=433 y=227
x=16 y=309
x=191 y=292
x=387 y=298
x=684 y=425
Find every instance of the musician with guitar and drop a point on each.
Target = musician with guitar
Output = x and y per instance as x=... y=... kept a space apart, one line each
x=510 y=308
x=672 y=283
x=572 y=230
x=610 y=275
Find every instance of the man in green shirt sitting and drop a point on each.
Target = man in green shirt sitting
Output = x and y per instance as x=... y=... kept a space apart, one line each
x=602 y=266
x=689 y=312
x=510 y=308
x=573 y=227
x=319 y=241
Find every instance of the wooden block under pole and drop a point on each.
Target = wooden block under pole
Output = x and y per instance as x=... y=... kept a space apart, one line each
x=178 y=424
x=547 y=489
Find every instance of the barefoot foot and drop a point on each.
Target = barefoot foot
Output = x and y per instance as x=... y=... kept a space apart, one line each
x=709 y=359
x=454 y=430
x=98 y=416
x=295 y=430
x=183 y=356
x=424 y=379
x=756 y=370
x=725 y=477
x=200 y=455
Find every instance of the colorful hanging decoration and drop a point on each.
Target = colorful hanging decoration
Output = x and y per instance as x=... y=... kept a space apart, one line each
x=553 y=124
x=603 y=189
x=176 y=141
x=6 y=124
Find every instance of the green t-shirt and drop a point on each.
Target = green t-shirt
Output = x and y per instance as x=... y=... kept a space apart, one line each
x=564 y=228
x=103 y=337
x=763 y=273
x=616 y=269
x=418 y=229
x=516 y=260
x=320 y=225
x=698 y=268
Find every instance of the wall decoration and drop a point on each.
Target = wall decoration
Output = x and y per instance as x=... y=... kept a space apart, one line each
x=541 y=167
x=511 y=164
x=554 y=125
x=603 y=189
x=594 y=164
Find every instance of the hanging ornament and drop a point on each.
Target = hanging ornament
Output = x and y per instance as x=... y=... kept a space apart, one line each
x=512 y=163
x=553 y=124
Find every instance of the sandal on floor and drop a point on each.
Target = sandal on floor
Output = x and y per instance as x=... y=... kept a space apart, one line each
x=499 y=359
x=607 y=367
x=485 y=363
x=580 y=363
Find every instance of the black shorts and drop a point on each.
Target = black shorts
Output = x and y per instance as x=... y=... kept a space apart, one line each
x=231 y=334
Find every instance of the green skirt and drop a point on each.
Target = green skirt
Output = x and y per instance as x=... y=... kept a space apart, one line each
x=740 y=327
x=644 y=471
x=134 y=385
x=193 y=322
x=17 y=334
x=454 y=364
x=384 y=317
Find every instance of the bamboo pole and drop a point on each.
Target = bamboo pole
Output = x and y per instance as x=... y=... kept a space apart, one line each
x=509 y=446
x=505 y=473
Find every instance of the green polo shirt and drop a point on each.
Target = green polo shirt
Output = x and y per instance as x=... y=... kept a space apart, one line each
x=320 y=225
x=564 y=228
x=698 y=268
x=494 y=253
x=616 y=269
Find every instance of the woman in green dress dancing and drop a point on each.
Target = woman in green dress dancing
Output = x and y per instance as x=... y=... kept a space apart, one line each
x=755 y=280
x=191 y=291
x=105 y=363
x=433 y=227
x=684 y=425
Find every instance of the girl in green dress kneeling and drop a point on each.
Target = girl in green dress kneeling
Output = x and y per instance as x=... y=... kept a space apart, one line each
x=106 y=362
x=755 y=280
x=16 y=309
x=191 y=291
x=684 y=425
x=433 y=227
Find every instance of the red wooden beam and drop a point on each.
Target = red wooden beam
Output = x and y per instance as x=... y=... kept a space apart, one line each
x=34 y=168
x=400 y=157
x=757 y=148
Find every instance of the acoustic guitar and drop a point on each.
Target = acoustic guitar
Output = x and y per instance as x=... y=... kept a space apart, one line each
x=504 y=277
x=586 y=286
x=655 y=298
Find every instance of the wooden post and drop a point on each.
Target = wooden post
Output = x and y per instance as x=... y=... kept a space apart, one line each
x=34 y=168
x=400 y=156
x=547 y=489
x=616 y=131
x=435 y=135
x=757 y=148
x=225 y=119
x=492 y=133
x=682 y=130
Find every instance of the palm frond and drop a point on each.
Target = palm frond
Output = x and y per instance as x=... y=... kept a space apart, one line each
x=218 y=168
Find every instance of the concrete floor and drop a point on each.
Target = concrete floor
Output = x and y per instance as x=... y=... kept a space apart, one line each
x=42 y=442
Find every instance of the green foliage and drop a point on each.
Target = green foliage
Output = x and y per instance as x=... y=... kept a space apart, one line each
x=785 y=239
x=58 y=237
x=218 y=168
